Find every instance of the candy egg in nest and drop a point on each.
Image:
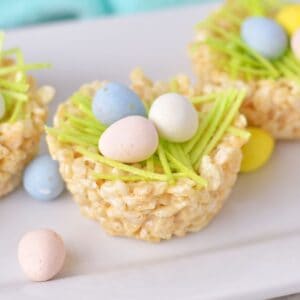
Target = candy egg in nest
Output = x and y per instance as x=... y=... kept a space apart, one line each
x=295 y=43
x=174 y=117
x=115 y=101
x=289 y=17
x=264 y=36
x=132 y=139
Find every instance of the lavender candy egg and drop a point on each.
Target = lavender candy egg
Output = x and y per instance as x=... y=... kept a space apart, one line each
x=265 y=36
x=129 y=140
x=42 y=179
x=295 y=44
x=115 y=101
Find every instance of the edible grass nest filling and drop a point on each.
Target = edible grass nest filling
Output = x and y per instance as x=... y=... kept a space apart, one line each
x=171 y=161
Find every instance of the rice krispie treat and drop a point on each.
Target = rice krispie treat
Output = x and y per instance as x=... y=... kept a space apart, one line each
x=149 y=178
x=246 y=44
x=23 y=111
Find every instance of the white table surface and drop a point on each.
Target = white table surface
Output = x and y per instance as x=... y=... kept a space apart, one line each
x=250 y=251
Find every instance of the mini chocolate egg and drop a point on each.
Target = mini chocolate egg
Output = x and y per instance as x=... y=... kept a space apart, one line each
x=129 y=140
x=115 y=101
x=295 y=44
x=289 y=17
x=258 y=150
x=174 y=117
x=2 y=107
x=42 y=179
x=41 y=254
x=265 y=36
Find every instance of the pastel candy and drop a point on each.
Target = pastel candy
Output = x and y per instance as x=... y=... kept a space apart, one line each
x=174 y=117
x=42 y=179
x=129 y=140
x=2 y=107
x=258 y=150
x=289 y=17
x=115 y=101
x=265 y=36
x=295 y=44
x=41 y=254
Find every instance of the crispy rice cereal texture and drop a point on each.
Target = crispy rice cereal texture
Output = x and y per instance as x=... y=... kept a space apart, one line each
x=273 y=105
x=150 y=211
x=19 y=141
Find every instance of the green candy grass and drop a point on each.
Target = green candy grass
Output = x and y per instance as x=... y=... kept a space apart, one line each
x=171 y=161
x=14 y=85
x=236 y=58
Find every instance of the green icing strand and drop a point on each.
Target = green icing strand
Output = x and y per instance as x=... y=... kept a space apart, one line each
x=164 y=162
x=224 y=125
x=212 y=126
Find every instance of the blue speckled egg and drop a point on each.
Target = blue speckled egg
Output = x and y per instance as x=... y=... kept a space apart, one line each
x=115 y=101
x=265 y=36
x=42 y=180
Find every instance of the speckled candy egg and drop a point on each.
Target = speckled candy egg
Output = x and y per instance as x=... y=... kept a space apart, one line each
x=265 y=36
x=174 y=117
x=2 y=107
x=295 y=43
x=42 y=179
x=289 y=17
x=129 y=140
x=41 y=254
x=115 y=101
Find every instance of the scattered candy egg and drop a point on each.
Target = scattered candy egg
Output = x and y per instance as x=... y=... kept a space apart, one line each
x=129 y=140
x=2 y=107
x=41 y=254
x=115 y=101
x=265 y=36
x=295 y=43
x=42 y=179
x=174 y=117
x=289 y=17
x=258 y=150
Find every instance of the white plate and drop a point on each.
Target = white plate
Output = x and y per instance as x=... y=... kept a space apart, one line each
x=250 y=251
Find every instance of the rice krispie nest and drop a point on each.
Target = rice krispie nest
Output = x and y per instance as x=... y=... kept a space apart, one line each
x=147 y=210
x=25 y=111
x=273 y=92
x=19 y=141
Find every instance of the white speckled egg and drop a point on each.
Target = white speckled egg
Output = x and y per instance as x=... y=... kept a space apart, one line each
x=174 y=117
x=295 y=44
x=41 y=254
x=129 y=140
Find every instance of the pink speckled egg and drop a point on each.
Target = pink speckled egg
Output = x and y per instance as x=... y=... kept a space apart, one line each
x=41 y=254
x=129 y=140
x=295 y=43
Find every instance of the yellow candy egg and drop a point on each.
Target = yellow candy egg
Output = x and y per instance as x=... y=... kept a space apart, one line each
x=258 y=150
x=289 y=17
